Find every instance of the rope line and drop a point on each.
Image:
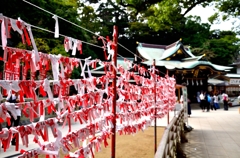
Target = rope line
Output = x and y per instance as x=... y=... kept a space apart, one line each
x=77 y=25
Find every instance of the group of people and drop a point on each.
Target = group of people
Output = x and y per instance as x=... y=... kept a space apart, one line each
x=211 y=101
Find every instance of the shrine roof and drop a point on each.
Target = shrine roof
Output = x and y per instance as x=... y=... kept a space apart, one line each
x=161 y=52
x=165 y=55
x=186 y=64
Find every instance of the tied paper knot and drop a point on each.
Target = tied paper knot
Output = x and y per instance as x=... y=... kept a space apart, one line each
x=110 y=50
x=4 y=115
x=37 y=58
x=87 y=61
x=68 y=43
x=11 y=107
x=66 y=145
x=28 y=154
x=47 y=88
x=39 y=127
x=24 y=135
x=6 y=137
x=109 y=121
x=50 y=105
x=56 y=33
x=52 y=124
x=16 y=136
x=75 y=139
x=41 y=110
x=4 y=30
x=104 y=46
x=77 y=45
x=30 y=108
x=68 y=119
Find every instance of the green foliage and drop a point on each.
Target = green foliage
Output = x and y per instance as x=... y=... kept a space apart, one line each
x=230 y=7
x=45 y=41
x=59 y=49
x=221 y=48
x=212 y=18
x=76 y=73
x=194 y=33
x=166 y=15
x=227 y=10
x=150 y=21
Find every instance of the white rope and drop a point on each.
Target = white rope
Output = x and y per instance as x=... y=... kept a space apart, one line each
x=76 y=25
x=62 y=35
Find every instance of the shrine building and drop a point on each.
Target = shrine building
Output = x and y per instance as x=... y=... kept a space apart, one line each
x=178 y=60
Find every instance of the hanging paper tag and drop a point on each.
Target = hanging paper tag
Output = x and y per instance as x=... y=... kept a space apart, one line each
x=8 y=72
x=24 y=73
x=33 y=76
x=56 y=89
x=16 y=73
x=42 y=73
x=56 y=33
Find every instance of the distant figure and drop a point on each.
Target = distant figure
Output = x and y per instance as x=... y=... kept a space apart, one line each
x=225 y=101
x=198 y=97
x=189 y=107
x=239 y=99
x=203 y=101
x=212 y=102
x=216 y=101
x=208 y=104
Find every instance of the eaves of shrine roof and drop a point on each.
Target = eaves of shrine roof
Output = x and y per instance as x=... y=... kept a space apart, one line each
x=161 y=52
x=187 y=64
x=233 y=75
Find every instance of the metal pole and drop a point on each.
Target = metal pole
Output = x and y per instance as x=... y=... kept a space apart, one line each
x=155 y=110
x=113 y=137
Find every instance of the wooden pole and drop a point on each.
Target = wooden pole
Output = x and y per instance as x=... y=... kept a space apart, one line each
x=179 y=94
x=155 y=110
x=114 y=58
x=168 y=109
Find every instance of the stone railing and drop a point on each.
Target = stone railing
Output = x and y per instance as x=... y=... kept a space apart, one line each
x=171 y=136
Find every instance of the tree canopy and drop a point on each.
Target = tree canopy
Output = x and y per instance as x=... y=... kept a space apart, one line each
x=45 y=41
x=226 y=10
x=149 y=21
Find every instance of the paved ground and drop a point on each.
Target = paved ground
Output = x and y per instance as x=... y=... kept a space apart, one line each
x=216 y=134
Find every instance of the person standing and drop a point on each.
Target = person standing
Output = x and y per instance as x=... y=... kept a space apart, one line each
x=212 y=102
x=203 y=101
x=198 y=97
x=216 y=99
x=208 y=102
x=225 y=101
x=189 y=107
x=239 y=99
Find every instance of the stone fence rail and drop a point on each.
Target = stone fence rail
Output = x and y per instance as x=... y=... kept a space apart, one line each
x=171 y=136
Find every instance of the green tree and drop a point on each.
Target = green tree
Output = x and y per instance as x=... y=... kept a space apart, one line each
x=226 y=10
x=194 y=33
x=45 y=41
x=222 y=47
x=162 y=14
